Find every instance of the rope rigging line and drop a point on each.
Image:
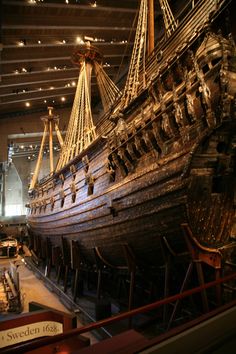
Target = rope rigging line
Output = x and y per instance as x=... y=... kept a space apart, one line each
x=49 y=121
x=169 y=20
x=127 y=46
x=108 y=90
x=134 y=80
x=81 y=130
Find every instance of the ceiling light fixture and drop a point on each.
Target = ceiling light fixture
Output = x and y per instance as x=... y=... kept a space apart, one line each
x=27 y=104
x=79 y=40
x=63 y=99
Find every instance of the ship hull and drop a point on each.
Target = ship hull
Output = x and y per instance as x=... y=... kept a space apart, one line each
x=136 y=212
x=144 y=207
x=170 y=160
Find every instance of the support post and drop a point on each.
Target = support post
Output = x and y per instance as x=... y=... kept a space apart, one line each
x=48 y=257
x=210 y=256
x=65 y=260
x=75 y=265
x=131 y=263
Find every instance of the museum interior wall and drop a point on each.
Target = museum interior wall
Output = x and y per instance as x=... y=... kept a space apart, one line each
x=20 y=138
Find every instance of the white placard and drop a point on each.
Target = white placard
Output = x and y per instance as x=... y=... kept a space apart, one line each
x=27 y=332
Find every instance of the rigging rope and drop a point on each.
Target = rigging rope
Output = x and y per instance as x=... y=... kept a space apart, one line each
x=169 y=20
x=134 y=80
x=81 y=130
x=108 y=90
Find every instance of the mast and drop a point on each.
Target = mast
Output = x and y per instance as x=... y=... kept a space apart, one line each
x=48 y=121
x=151 y=29
x=81 y=130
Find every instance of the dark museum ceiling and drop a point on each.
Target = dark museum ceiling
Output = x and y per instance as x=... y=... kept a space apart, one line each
x=38 y=38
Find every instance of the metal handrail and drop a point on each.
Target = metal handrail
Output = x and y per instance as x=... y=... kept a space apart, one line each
x=24 y=347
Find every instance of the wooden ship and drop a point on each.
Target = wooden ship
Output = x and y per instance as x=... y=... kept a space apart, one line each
x=161 y=161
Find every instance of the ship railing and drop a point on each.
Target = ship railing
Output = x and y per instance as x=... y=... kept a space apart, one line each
x=39 y=343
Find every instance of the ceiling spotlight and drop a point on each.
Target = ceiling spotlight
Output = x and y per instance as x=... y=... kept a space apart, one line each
x=64 y=41
x=79 y=40
x=45 y=101
x=63 y=99
x=24 y=70
x=39 y=42
x=94 y=4
x=67 y=1
x=27 y=104
x=51 y=88
x=73 y=83
x=88 y=38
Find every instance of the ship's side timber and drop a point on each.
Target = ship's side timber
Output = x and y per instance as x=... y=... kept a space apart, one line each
x=160 y=157
x=211 y=194
x=134 y=212
x=192 y=24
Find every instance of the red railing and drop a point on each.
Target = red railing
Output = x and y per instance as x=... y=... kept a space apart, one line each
x=25 y=347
